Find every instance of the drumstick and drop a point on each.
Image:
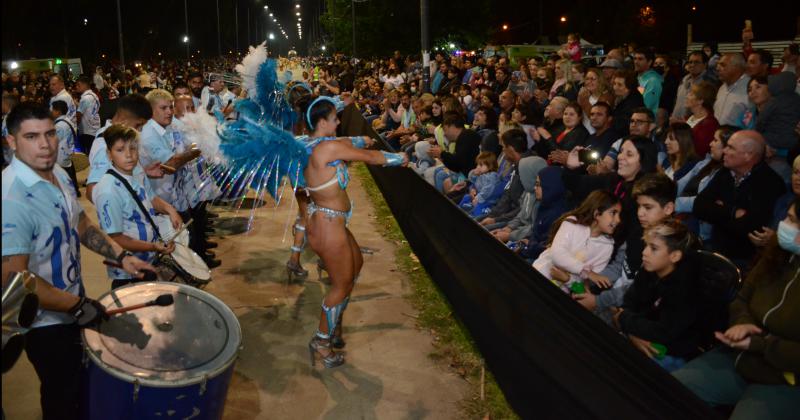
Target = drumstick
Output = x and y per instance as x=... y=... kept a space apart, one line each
x=175 y=235
x=148 y=275
x=163 y=300
x=168 y=169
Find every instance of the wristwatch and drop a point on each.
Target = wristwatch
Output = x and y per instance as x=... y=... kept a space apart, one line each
x=122 y=255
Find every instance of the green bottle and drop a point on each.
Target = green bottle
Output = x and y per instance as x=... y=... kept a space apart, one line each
x=577 y=288
x=662 y=350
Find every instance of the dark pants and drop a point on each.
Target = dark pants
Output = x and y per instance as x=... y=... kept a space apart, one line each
x=85 y=142
x=74 y=177
x=56 y=354
x=197 y=231
x=714 y=379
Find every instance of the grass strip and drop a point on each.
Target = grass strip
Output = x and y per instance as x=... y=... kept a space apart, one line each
x=452 y=342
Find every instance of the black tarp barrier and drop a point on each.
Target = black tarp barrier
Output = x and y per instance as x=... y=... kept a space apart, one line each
x=551 y=357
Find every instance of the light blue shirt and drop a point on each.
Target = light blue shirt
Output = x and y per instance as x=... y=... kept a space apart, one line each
x=64 y=96
x=99 y=163
x=65 y=132
x=118 y=212
x=40 y=220
x=158 y=145
x=193 y=184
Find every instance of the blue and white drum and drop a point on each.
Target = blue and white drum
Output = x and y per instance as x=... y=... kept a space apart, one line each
x=160 y=362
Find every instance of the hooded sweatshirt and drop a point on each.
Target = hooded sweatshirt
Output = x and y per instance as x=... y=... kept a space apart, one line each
x=779 y=117
x=552 y=206
x=522 y=223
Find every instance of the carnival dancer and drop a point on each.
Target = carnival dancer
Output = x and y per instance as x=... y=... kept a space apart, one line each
x=329 y=211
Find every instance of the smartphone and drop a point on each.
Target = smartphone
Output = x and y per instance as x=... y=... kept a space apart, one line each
x=588 y=156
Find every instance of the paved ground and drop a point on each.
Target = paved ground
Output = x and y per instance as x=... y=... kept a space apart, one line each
x=388 y=374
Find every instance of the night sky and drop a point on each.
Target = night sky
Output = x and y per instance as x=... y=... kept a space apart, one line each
x=56 y=28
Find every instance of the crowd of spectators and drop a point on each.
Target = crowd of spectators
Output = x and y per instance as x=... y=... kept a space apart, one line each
x=607 y=177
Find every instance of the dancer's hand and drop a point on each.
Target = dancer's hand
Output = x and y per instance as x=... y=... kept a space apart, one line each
x=154 y=170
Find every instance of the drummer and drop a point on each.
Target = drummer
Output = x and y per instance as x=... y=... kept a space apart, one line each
x=43 y=227
x=119 y=213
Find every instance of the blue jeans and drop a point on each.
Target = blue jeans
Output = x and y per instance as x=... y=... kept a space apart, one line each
x=713 y=378
x=670 y=363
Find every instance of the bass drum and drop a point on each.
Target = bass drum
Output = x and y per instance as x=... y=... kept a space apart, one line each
x=160 y=361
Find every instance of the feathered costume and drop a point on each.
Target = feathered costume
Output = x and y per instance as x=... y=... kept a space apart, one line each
x=257 y=150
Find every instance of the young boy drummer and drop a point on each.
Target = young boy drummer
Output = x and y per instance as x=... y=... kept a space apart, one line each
x=120 y=213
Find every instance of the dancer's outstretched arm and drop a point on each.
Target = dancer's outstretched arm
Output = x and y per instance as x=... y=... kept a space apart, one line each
x=343 y=150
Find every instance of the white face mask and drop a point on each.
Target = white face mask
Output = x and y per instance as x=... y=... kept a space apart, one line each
x=787 y=237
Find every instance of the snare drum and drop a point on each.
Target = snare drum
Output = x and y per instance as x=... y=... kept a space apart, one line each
x=183 y=266
x=160 y=361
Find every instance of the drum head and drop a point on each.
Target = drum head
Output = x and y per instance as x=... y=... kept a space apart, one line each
x=176 y=345
x=191 y=262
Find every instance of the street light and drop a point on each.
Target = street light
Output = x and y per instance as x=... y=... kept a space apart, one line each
x=15 y=65
x=451 y=45
x=271 y=35
x=563 y=18
x=185 y=39
x=323 y=49
x=505 y=27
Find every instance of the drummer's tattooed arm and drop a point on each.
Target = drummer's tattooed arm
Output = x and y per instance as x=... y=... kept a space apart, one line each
x=95 y=239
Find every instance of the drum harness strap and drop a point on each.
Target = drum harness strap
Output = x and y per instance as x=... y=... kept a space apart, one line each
x=138 y=201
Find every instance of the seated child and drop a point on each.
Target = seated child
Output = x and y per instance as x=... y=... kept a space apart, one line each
x=661 y=307
x=119 y=213
x=483 y=181
x=655 y=198
x=581 y=242
x=551 y=193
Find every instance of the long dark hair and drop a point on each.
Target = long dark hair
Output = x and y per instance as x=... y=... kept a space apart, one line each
x=595 y=203
x=648 y=154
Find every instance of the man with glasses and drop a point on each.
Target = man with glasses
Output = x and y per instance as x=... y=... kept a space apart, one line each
x=696 y=66
x=642 y=123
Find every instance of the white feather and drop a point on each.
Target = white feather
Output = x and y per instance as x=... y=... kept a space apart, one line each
x=248 y=69
x=201 y=128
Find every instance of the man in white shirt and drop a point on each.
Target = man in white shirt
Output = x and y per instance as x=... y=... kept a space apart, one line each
x=88 y=113
x=159 y=144
x=66 y=133
x=216 y=96
x=732 y=100
x=44 y=227
x=59 y=92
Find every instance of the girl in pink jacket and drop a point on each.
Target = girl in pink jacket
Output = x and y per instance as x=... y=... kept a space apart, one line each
x=581 y=242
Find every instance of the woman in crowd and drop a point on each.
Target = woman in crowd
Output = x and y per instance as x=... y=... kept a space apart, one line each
x=681 y=157
x=762 y=237
x=777 y=109
x=564 y=84
x=700 y=102
x=690 y=185
x=662 y=306
x=595 y=89
x=329 y=210
x=758 y=368
x=638 y=156
x=524 y=84
x=574 y=134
